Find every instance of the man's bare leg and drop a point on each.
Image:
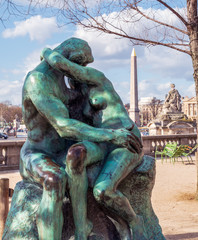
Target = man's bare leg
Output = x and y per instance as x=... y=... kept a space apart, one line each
x=79 y=156
x=41 y=169
x=50 y=216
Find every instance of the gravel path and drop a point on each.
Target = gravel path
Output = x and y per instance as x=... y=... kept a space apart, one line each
x=172 y=199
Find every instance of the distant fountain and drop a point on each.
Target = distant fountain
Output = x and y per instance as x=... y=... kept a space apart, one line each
x=171 y=120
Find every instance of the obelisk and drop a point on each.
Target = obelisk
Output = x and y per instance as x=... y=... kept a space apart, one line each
x=134 y=110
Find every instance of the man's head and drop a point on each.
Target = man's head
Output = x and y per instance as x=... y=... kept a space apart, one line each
x=76 y=50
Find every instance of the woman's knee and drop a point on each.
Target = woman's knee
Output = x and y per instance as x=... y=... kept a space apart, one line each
x=76 y=158
x=101 y=193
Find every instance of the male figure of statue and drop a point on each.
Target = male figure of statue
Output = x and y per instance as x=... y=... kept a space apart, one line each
x=51 y=131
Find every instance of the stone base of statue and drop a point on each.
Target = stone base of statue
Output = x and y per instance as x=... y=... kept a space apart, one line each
x=173 y=116
x=171 y=123
x=21 y=220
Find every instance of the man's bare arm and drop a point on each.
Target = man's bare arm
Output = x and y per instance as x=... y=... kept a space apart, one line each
x=80 y=73
x=54 y=110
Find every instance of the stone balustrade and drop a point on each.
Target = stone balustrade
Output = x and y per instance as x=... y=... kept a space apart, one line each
x=10 y=150
x=151 y=142
x=9 y=154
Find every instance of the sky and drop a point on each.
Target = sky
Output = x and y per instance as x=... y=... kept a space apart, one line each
x=22 y=41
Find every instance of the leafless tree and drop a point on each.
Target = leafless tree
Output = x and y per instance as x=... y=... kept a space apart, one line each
x=150 y=111
x=140 y=21
x=154 y=107
x=8 y=112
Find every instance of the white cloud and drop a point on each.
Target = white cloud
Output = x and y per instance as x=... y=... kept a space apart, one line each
x=36 y=27
x=30 y=62
x=109 y=53
x=169 y=62
x=107 y=43
x=11 y=90
x=143 y=85
x=123 y=89
x=191 y=90
x=151 y=88
x=147 y=88
x=33 y=59
x=164 y=86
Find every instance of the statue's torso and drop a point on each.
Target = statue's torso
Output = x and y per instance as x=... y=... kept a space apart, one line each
x=41 y=134
x=109 y=107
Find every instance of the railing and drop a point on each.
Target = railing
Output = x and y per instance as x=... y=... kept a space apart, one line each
x=9 y=154
x=151 y=142
x=10 y=150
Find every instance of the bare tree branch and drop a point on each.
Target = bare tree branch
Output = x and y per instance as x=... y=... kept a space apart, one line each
x=173 y=11
x=140 y=41
x=159 y=22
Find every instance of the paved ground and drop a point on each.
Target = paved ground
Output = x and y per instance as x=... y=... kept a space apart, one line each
x=172 y=199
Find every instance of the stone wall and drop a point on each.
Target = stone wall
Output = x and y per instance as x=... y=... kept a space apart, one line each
x=151 y=142
x=9 y=154
x=10 y=150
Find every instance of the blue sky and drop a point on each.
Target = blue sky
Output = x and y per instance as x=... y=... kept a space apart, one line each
x=22 y=41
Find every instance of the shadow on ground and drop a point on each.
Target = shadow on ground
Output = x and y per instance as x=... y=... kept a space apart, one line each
x=184 y=236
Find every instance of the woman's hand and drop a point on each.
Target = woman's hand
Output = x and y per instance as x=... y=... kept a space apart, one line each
x=128 y=140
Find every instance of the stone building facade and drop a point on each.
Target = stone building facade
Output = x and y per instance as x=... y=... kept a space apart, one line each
x=189 y=107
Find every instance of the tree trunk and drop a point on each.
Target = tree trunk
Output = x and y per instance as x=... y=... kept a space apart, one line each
x=195 y=75
x=193 y=35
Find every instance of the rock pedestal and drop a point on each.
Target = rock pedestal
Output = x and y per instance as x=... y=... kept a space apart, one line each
x=171 y=127
x=171 y=123
x=137 y=186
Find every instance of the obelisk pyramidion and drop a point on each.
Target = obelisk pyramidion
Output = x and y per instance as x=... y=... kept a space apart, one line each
x=134 y=110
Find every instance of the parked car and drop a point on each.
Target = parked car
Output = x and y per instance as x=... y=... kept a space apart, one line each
x=3 y=135
x=20 y=130
x=21 y=133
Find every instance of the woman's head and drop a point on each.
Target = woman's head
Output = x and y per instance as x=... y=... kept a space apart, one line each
x=76 y=50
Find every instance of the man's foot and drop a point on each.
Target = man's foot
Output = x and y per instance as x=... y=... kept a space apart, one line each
x=138 y=229
x=124 y=231
x=84 y=232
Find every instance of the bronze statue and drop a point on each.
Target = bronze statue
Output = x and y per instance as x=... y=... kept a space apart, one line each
x=52 y=133
x=118 y=162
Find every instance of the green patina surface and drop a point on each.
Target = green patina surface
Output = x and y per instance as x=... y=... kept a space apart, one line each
x=70 y=129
